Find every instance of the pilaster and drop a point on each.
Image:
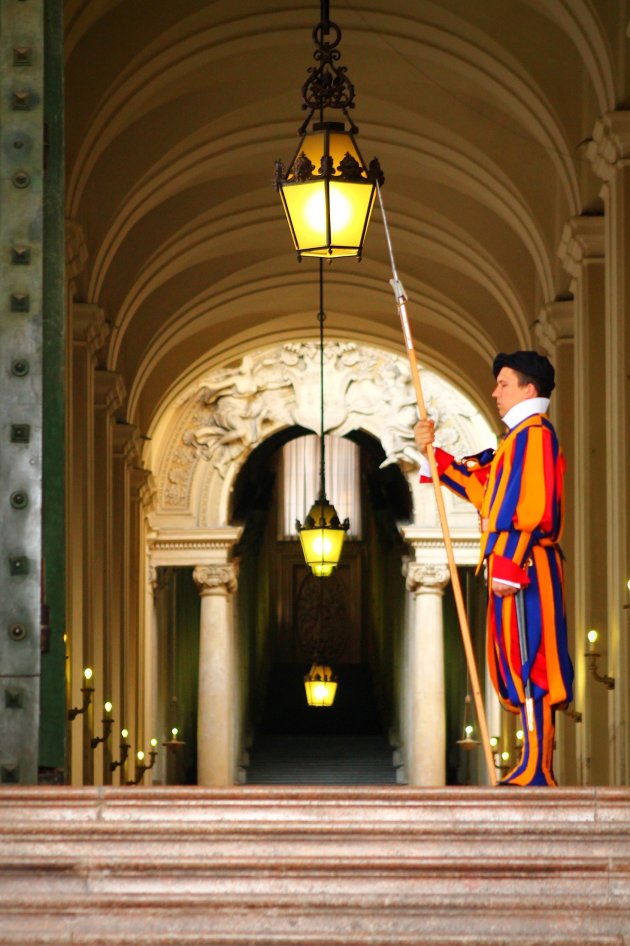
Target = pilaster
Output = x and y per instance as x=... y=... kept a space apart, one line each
x=108 y=396
x=582 y=251
x=609 y=152
x=88 y=332
x=121 y=568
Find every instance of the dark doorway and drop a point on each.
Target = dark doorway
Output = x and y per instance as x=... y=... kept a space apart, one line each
x=283 y=609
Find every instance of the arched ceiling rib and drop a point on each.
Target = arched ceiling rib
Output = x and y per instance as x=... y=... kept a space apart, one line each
x=465 y=169
x=153 y=77
x=176 y=113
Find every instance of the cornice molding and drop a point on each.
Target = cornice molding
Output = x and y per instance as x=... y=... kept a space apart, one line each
x=211 y=547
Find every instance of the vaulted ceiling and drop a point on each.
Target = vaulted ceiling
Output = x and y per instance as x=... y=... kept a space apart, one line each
x=478 y=111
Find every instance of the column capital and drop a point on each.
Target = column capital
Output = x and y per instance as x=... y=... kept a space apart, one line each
x=555 y=324
x=148 y=492
x=109 y=390
x=157 y=578
x=138 y=479
x=426 y=579
x=216 y=579
x=88 y=325
x=609 y=147
x=582 y=240
x=126 y=441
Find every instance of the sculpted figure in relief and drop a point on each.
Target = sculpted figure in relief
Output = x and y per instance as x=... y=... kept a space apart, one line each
x=236 y=408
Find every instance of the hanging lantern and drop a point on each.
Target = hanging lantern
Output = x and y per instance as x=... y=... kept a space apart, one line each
x=328 y=193
x=322 y=537
x=320 y=684
x=328 y=190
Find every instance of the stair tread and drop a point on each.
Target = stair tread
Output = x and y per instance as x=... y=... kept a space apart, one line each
x=321 y=760
x=326 y=866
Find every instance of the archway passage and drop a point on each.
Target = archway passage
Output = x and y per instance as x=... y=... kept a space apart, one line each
x=339 y=619
x=225 y=506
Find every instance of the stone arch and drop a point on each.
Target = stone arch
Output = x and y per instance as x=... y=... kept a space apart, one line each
x=201 y=445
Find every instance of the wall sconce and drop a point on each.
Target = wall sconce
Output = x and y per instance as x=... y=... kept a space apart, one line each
x=467 y=742
x=573 y=714
x=124 y=751
x=141 y=765
x=87 y=692
x=107 y=722
x=501 y=758
x=593 y=656
x=174 y=743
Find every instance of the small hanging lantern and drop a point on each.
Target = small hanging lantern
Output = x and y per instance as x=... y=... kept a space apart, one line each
x=320 y=684
x=322 y=536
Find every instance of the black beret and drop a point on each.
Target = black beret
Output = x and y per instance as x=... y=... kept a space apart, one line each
x=531 y=364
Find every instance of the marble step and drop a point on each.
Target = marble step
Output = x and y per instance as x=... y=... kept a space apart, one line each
x=298 y=865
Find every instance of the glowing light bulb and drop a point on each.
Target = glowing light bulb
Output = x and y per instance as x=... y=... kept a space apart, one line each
x=505 y=756
x=88 y=673
x=519 y=735
x=592 y=636
x=174 y=732
x=340 y=211
x=320 y=691
x=154 y=743
x=322 y=545
x=494 y=741
x=124 y=733
x=140 y=755
x=469 y=731
x=108 y=707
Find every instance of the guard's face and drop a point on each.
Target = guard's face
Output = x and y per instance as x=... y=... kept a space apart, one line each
x=509 y=392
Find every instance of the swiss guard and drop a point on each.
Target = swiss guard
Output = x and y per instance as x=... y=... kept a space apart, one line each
x=518 y=491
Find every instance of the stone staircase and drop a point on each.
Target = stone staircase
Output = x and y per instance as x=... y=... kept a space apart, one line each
x=304 y=866
x=321 y=760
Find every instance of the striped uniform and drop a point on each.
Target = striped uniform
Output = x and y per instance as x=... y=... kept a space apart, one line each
x=518 y=491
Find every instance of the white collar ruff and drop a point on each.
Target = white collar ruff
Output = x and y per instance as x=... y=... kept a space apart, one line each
x=524 y=409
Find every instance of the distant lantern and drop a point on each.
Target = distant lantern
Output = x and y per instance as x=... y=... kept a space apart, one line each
x=322 y=536
x=320 y=684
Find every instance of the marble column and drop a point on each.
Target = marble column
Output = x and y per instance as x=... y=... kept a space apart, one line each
x=609 y=152
x=426 y=757
x=216 y=722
